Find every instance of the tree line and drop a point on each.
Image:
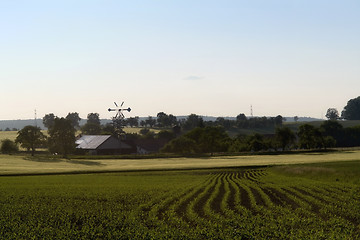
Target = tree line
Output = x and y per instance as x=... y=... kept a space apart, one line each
x=211 y=139
x=193 y=134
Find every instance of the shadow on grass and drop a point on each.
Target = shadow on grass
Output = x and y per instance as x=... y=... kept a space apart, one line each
x=56 y=159
x=45 y=159
x=84 y=162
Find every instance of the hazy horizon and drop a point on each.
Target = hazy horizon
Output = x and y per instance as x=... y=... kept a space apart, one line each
x=211 y=58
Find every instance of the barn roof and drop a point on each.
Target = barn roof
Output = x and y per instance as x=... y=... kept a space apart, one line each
x=91 y=141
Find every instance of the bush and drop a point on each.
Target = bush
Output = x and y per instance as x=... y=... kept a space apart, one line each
x=8 y=146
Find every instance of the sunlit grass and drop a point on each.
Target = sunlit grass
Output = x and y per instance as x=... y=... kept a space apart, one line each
x=17 y=164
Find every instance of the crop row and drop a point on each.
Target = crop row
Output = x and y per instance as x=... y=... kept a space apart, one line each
x=236 y=196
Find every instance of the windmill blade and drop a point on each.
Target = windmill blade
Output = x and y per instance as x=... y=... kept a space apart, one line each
x=116 y=114
x=122 y=115
x=116 y=104
x=122 y=104
x=129 y=109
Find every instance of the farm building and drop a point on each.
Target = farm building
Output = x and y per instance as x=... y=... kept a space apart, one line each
x=147 y=146
x=102 y=145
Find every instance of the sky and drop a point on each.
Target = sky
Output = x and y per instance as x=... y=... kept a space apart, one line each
x=211 y=58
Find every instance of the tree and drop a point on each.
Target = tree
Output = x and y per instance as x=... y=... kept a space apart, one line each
x=91 y=129
x=193 y=121
x=310 y=137
x=278 y=120
x=182 y=145
x=332 y=114
x=150 y=121
x=241 y=117
x=200 y=140
x=146 y=133
x=284 y=137
x=162 y=119
x=62 y=137
x=93 y=118
x=74 y=119
x=256 y=142
x=352 y=109
x=333 y=129
x=48 y=120
x=166 y=135
x=296 y=118
x=30 y=137
x=8 y=146
x=213 y=139
x=92 y=126
x=165 y=120
x=133 y=121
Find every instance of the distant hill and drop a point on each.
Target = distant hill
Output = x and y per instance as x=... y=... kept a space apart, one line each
x=19 y=124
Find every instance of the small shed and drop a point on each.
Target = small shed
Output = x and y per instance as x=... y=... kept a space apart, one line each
x=102 y=145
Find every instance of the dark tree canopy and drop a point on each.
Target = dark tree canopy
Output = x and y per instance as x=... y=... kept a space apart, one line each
x=8 y=146
x=92 y=126
x=241 y=117
x=200 y=140
x=352 y=109
x=165 y=120
x=30 y=137
x=48 y=120
x=278 y=120
x=193 y=121
x=284 y=137
x=309 y=137
x=332 y=114
x=62 y=137
x=74 y=119
x=91 y=129
x=133 y=121
x=93 y=118
x=150 y=121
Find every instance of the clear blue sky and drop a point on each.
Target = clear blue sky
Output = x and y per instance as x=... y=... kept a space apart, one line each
x=288 y=57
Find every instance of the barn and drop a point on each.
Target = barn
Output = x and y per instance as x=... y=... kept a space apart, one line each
x=102 y=145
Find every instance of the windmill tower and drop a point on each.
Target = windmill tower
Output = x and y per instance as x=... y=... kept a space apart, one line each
x=35 y=119
x=118 y=120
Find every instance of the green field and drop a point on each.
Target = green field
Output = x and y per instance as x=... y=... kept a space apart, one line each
x=8 y=135
x=43 y=164
x=313 y=201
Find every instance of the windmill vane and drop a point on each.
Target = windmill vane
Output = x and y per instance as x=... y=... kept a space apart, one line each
x=118 y=110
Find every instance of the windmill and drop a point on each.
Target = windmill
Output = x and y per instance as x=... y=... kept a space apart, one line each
x=118 y=120
x=118 y=110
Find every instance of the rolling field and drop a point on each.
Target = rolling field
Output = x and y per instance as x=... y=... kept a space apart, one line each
x=43 y=164
x=8 y=135
x=312 y=201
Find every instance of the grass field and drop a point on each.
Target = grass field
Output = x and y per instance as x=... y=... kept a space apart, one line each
x=24 y=164
x=8 y=135
x=308 y=201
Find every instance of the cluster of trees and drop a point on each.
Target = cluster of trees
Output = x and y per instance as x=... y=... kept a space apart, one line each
x=163 y=120
x=193 y=134
x=60 y=139
x=242 y=122
x=351 y=111
x=211 y=139
x=8 y=129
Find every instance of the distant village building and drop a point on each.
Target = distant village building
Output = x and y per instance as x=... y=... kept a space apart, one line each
x=103 y=145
